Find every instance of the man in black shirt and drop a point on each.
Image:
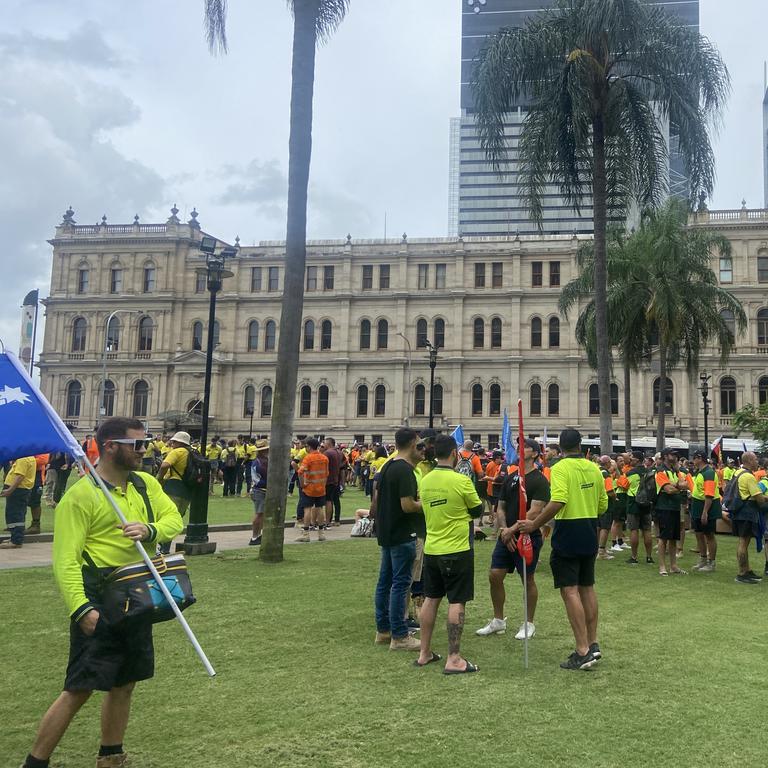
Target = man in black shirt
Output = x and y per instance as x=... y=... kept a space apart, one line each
x=398 y=516
x=503 y=561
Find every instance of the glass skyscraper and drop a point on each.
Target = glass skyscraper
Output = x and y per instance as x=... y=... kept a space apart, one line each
x=481 y=202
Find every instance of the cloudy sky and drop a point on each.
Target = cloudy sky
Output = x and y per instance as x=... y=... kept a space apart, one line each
x=117 y=108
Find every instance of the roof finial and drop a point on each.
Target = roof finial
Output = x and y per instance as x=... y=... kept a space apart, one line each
x=193 y=222
x=68 y=219
x=173 y=218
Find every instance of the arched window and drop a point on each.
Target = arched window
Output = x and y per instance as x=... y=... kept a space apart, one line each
x=322 y=400
x=140 y=399
x=437 y=400
x=762 y=327
x=554 y=332
x=197 y=335
x=380 y=400
x=762 y=390
x=79 y=334
x=362 y=400
x=74 y=398
x=326 y=334
x=266 y=401
x=249 y=400
x=477 y=399
x=305 y=401
x=535 y=333
x=421 y=334
x=494 y=400
x=146 y=330
x=478 y=333
x=669 y=399
x=253 y=335
x=382 y=334
x=553 y=400
x=594 y=400
x=419 y=400
x=216 y=334
x=727 y=396
x=309 y=334
x=270 y=334
x=535 y=400
x=113 y=334
x=107 y=404
x=730 y=321
x=440 y=333
x=365 y=334
x=496 y=333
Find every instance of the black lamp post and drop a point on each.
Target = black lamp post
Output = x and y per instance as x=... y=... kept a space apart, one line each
x=250 y=428
x=704 y=379
x=196 y=541
x=432 y=366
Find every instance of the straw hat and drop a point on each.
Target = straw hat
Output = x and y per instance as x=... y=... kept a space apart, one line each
x=181 y=437
x=261 y=445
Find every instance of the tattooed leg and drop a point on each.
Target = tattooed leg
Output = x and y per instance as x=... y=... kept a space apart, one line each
x=455 y=629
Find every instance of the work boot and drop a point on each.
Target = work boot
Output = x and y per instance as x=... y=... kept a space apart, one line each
x=34 y=527
x=112 y=761
x=407 y=643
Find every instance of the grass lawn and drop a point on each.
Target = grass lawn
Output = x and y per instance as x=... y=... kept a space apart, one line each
x=300 y=683
x=240 y=509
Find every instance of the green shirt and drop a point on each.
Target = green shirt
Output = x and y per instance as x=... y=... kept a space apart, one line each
x=635 y=475
x=85 y=520
x=446 y=498
x=700 y=489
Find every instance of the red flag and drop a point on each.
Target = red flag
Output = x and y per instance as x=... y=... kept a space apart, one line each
x=524 y=543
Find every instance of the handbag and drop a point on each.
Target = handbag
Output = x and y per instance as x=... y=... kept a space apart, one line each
x=130 y=594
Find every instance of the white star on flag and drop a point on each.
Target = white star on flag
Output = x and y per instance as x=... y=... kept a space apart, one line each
x=13 y=395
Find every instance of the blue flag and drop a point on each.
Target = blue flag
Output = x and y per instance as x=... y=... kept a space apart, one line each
x=507 y=442
x=458 y=435
x=28 y=423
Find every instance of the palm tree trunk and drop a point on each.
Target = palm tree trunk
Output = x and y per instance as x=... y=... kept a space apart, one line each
x=627 y=407
x=299 y=153
x=661 y=424
x=600 y=220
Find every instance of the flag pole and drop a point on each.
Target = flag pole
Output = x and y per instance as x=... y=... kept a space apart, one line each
x=148 y=562
x=522 y=501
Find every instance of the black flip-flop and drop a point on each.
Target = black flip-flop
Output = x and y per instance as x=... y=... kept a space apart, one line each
x=435 y=657
x=469 y=668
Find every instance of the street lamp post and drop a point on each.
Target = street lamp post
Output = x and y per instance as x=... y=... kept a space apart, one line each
x=704 y=379
x=432 y=366
x=196 y=541
x=408 y=396
x=250 y=428
x=103 y=387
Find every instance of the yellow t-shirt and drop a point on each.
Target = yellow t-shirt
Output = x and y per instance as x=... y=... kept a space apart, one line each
x=213 y=452
x=250 y=452
x=446 y=498
x=377 y=464
x=177 y=459
x=25 y=467
x=240 y=451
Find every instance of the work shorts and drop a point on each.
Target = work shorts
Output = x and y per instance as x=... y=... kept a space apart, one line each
x=450 y=575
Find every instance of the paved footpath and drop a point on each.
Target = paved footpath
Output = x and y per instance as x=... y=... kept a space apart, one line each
x=36 y=554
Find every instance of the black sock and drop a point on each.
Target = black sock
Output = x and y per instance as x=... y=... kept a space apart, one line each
x=34 y=762
x=621 y=541
x=114 y=749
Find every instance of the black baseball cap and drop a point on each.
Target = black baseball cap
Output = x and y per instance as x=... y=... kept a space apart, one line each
x=668 y=452
x=700 y=455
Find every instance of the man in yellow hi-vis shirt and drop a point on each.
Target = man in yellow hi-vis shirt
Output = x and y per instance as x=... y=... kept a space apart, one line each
x=101 y=657
x=19 y=481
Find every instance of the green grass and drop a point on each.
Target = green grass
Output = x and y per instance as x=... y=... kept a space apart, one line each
x=300 y=683
x=240 y=509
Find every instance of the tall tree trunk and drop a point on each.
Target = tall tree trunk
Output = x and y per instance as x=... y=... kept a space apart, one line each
x=661 y=424
x=299 y=154
x=600 y=220
x=627 y=407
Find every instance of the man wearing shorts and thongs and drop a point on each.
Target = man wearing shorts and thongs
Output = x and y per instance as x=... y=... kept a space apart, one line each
x=638 y=518
x=101 y=657
x=313 y=477
x=259 y=470
x=577 y=498
x=450 y=503
x=670 y=488
x=504 y=561
x=746 y=516
x=706 y=510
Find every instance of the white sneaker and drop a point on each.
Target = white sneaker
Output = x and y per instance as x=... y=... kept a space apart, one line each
x=625 y=546
x=493 y=627
x=615 y=548
x=521 y=632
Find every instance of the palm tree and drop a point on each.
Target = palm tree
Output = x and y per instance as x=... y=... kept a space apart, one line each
x=596 y=77
x=313 y=21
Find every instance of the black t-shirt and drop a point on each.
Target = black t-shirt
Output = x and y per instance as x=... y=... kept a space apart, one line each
x=536 y=489
x=396 y=480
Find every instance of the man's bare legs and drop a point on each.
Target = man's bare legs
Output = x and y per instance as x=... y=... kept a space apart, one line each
x=427 y=620
x=115 y=710
x=589 y=602
x=56 y=721
x=576 y=616
x=455 y=629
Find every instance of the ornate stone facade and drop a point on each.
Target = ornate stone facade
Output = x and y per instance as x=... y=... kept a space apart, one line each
x=364 y=368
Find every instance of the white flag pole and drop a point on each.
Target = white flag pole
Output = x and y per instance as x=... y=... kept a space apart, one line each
x=148 y=562
x=525 y=613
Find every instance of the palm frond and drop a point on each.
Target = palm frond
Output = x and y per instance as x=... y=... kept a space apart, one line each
x=215 y=20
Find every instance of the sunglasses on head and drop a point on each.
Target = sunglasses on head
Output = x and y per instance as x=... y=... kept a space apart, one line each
x=137 y=444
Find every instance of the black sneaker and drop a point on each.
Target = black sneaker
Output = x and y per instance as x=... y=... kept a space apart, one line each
x=649 y=561
x=480 y=535
x=745 y=579
x=255 y=542
x=574 y=661
x=632 y=561
x=594 y=649
x=752 y=575
x=412 y=624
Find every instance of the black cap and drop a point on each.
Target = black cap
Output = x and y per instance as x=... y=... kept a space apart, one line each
x=428 y=434
x=668 y=452
x=700 y=455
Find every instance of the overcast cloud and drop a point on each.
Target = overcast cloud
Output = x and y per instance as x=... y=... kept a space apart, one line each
x=119 y=109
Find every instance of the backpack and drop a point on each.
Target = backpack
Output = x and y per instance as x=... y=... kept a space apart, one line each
x=230 y=460
x=362 y=528
x=646 y=495
x=197 y=471
x=464 y=467
x=732 y=501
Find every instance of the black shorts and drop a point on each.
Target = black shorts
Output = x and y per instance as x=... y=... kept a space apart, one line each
x=605 y=521
x=504 y=560
x=709 y=527
x=311 y=501
x=619 y=509
x=35 y=497
x=668 y=521
x=745 y=529
x=109 y=658
x=572 y=571
x=639 y=520
x=451 y=575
